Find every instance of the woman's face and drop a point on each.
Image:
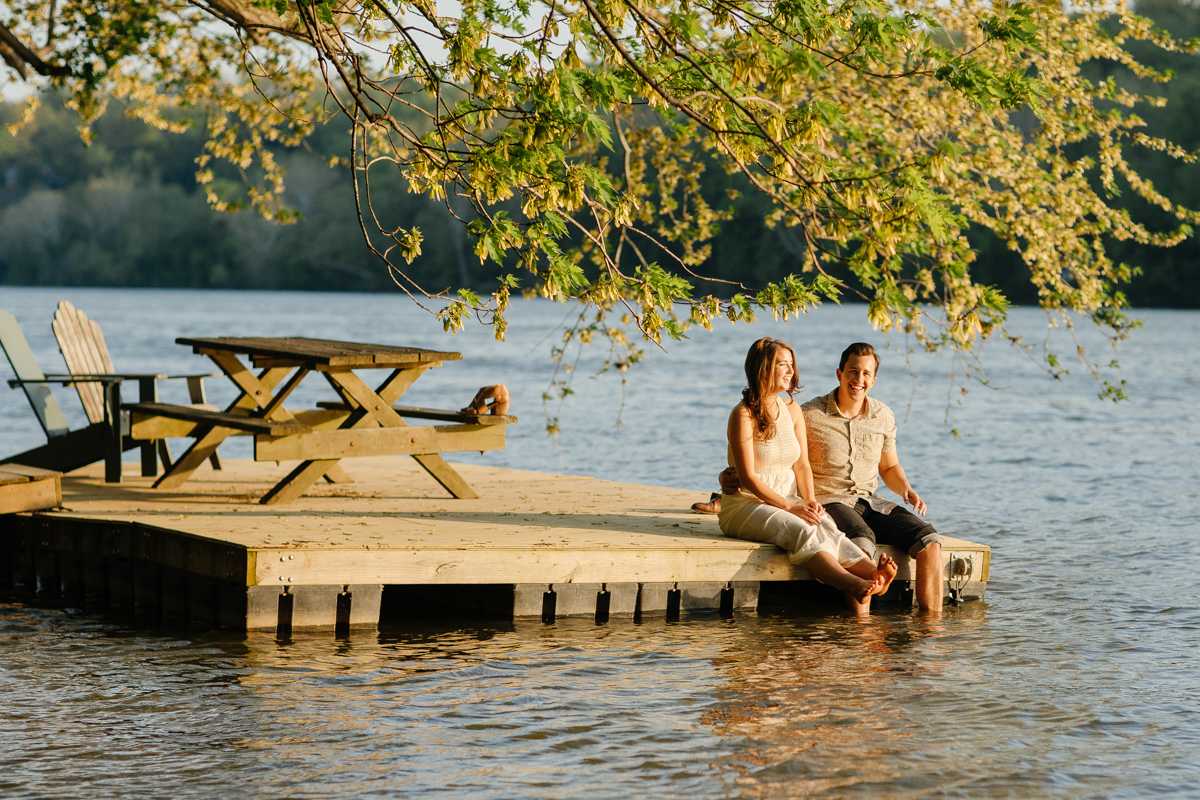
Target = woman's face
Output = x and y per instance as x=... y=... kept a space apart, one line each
x=784 y=370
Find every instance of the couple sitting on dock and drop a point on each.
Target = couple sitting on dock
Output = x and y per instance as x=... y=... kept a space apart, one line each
x=804 y=478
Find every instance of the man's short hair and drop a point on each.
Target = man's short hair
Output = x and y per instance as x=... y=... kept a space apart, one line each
x=858 y=349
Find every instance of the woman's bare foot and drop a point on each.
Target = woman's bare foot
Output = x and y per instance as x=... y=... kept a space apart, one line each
x=869 y=587
x=888 y=569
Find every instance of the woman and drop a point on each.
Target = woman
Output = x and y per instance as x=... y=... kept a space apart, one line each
x=777 y=503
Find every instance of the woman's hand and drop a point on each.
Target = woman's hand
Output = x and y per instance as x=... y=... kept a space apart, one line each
x=810 y=512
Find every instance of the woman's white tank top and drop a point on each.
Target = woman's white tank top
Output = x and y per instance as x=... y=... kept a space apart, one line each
x=775 y=457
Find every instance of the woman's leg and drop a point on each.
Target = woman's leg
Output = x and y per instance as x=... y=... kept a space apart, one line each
x=828 y=571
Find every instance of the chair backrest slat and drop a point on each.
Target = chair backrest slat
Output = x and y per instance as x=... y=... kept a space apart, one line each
x=83 y=348
x=25 y=367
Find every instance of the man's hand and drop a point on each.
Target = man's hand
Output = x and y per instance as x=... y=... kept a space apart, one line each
x=913 y=499
x=729 y=481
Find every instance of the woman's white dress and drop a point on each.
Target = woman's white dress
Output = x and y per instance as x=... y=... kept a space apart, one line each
x=744 y=516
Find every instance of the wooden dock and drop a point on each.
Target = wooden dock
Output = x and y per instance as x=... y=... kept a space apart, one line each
x=28 y=489
x=534 y=545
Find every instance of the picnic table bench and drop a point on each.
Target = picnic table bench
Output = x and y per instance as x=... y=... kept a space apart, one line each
x=365 y=422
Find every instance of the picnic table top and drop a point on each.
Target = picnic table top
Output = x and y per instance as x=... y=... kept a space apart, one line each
x=326 y=352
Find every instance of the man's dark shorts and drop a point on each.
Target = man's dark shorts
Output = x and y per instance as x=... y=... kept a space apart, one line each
x=899 y=528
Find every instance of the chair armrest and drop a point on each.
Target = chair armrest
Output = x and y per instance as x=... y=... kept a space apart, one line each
x=66 y=381
x=189 y=377
x=86 y=377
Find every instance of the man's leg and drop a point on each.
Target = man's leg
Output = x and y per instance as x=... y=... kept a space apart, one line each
x=905 y=530
x=929 y=577
x=850 y=522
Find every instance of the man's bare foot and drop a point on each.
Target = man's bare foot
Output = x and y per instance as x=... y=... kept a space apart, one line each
x=888 y=569
x=869 y=587
x=499 y=396
x=713 y=506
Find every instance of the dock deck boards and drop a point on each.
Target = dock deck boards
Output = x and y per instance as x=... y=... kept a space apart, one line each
x=28 y=488
x=394 y=524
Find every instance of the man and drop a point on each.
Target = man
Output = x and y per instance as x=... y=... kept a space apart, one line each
x=851 y=444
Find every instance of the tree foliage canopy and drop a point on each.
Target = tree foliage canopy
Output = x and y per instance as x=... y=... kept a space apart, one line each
x=569 y=136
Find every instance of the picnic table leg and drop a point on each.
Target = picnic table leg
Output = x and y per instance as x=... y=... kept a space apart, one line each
x=379 y=405
x=196 y=393
x=211 y=437
x=447 y=476
x=336 y=474
x=205 y=445
x=164 y=454
x=297 y=481
x=309 y=472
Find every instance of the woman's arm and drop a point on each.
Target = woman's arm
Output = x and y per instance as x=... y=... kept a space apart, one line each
x=802 y=467
x=741 y=443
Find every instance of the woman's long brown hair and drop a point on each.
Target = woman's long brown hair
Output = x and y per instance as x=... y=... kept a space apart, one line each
x=760 y=374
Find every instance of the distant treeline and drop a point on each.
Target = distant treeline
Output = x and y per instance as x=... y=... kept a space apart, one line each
x=126 y=211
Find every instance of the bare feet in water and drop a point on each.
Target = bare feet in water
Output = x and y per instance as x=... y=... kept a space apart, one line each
x=870 y=587
x=887 y=568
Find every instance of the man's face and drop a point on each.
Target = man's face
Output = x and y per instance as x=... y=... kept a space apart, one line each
x=857 y=377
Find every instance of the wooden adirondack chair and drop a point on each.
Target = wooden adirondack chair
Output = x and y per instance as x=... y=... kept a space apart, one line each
x=86 y=353
x=65 y=449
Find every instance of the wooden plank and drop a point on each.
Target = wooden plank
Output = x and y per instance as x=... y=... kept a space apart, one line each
x=318 y=351
x=30 y=495
x=237 y=422
x=11 y=477
x=409 y=441
x=146 y=427
x=75 y=338
x=28 y=472
x=414 y=412
x=498 y=564
x=158 y=427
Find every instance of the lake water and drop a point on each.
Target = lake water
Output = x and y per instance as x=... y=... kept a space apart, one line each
x=1077 y=676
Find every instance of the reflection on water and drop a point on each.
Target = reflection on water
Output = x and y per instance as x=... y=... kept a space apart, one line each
x=791 y=702
x=1076 y=678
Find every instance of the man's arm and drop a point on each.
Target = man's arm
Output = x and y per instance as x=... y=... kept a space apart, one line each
x=893 y=475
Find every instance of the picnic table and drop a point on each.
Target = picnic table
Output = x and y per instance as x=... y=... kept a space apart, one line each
x=365 y=422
